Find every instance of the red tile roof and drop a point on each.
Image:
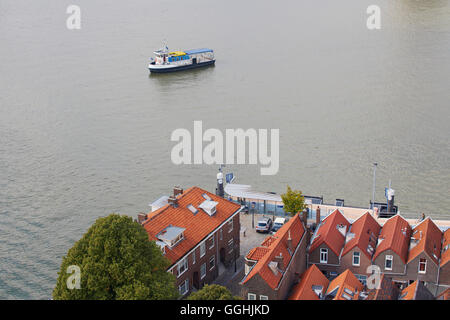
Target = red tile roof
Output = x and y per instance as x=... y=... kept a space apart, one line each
x=293 y=228
x=445 y=257
x=409 y=292
x=311 y=277
x=365 y=230
x=329 y=234
x=268 y=241
x=395 y=235
x=388 y=290
x=346 y=281
x=426 y=237
x=198 y=226
x=444 y=295
x=257 y=253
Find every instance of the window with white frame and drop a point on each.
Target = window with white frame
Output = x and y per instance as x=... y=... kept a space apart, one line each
x=212 y=262
x=323 y=255
x=203 y=271
x=356 y=259
x=211 y=239
x=422 y=265
x=184 y=287
x=182 y=266
x=230 y=225
x=202 y=249
x=230 y=245
x=261 y=297
x=388 y=262
x=251 y=296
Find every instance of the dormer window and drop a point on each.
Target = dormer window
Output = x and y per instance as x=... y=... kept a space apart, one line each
x=206 y=197
x=171 y=235
x=422 y=265
x=209 y=207
x=192 y=209
x=323 y=255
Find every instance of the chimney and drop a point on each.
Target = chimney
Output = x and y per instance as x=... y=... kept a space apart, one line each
x=173 y=202
x=177 y=190
x=318 y=216
x=289 y=242
x=279 y=261
x=305 y=216
x=142 y=217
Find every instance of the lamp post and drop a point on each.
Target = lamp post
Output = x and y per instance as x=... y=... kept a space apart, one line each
x=253 y=215
x=374 y=181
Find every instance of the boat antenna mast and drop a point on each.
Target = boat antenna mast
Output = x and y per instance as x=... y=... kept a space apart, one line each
x=165 y=48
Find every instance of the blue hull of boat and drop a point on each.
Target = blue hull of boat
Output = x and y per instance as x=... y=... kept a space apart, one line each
x=181 y=68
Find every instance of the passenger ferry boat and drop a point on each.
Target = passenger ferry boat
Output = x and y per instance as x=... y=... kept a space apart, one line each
x=166 y=61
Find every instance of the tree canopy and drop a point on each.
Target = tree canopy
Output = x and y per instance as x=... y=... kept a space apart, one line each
x=293 y=201
x=116 y=261
x=212 y=292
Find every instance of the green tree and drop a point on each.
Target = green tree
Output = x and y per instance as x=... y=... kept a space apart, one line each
x=116 y=261
x=293 y=201
x=212 y=292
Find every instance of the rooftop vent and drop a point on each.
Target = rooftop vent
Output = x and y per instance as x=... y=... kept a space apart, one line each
x=404 y=231
x=342 y=229
x=317 y=290
x=349 y=237
x=273 y=267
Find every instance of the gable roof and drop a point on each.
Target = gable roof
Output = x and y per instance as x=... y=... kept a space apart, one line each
x=329 y=234
x=445 y=257
x=197 y=225
x=304 y=289
x=394 y=236
x=345 y=284
x=426 y=237
x=279 y=245
x=365 y=231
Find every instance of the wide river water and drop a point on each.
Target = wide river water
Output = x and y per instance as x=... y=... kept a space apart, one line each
x=85 y=131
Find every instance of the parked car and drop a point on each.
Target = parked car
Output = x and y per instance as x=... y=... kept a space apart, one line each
x=278 y=223
x=264 y=225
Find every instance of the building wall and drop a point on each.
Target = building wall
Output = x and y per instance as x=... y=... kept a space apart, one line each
x=333 y=260
x=422 y=293
x=444 y=274
x=258 y=286
x=398 y=267
x=412 y=270
x=347 y=262
x=193 y=272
